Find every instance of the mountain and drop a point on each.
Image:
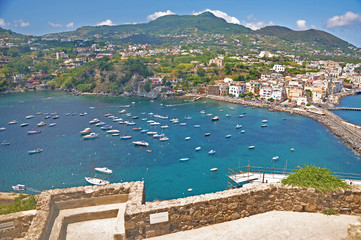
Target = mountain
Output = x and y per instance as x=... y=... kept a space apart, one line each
x=308 y=36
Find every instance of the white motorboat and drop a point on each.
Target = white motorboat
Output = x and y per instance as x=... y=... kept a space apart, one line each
x=99 y=124
x=216 y=118
x=213 y=169
x=163 y=139
x=250 y=147
x=85 y=131
x=52 y=124
x=212 y=152
x=203 y=112
x=36 y=150
x=12 y=122
x=141 y=143
x=39 y=113
x=158 y=135
x=187 y=138
x=264 y=121
x=24 y=124
x=151 y=133
x=91 y=136
x=34 y=132
x=123 y=111
x=130 y=123
x=243 y=131
x=183 y=124
x=113 y=131
x=5 y=143
x=94 y=121
x=183 y=159
x=125 y=137
x=165 y=126
x=197 y=126
x=106 y=127
x=40 y=124
x=241 y=116
x=154 y=123
x=207 y=134
x=56 y=117
x=29 y=117
x=2 y=129
x=238 y=126
x=197 y=149
x=104 y=170
x=48 y=116
x=19 y=187
x=275 y=158
x=228 y=136
x=188 y=118
x=96 y=181
x=228 y=115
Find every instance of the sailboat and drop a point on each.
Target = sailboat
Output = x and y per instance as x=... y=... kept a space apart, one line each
x=96 y=181
x=124 y=137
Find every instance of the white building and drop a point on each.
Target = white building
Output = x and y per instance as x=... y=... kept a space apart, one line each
x=266 y=54
x=265 y=92
x=237 y=90
x=278 y=94
x=278 y=68
x=61 y=55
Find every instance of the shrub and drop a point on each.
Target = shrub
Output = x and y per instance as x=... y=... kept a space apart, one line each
x=330 y=212
x=22 y=203
x=314 y=177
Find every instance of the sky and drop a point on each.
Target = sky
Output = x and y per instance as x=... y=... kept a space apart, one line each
x=39 y=17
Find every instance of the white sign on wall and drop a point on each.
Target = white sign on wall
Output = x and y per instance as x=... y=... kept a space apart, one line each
x=159 y=217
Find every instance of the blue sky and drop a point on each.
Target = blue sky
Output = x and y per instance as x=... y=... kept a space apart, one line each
x=38 y=17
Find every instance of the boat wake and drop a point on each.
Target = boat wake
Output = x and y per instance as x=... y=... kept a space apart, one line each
x=29 y=189
x=179 y=104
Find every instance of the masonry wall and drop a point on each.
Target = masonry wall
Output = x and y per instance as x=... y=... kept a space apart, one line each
x=197 y=211
x=20 y=222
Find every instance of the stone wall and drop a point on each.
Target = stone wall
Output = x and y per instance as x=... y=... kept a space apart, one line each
x=15 y=225
x=197 y=211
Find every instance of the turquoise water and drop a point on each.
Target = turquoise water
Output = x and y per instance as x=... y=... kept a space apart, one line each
x=350 y=101
x=66 y=158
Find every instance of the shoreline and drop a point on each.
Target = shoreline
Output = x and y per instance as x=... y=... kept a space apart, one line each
x=347 y=132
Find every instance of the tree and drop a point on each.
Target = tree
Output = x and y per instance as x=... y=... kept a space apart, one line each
x=147 y=86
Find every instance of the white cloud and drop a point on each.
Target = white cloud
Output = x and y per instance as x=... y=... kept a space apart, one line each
x=251 y=17
x=301 y=24
x=57 y=25
x=257 y=25
x=159 y=14
x=70 y=25
x=220 y=14
x=3 y=23
x=24 y=24
x=107 y=22
x=313 y=26
x=349 y=19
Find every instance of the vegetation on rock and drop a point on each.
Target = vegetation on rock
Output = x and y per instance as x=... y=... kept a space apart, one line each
x=22 y=203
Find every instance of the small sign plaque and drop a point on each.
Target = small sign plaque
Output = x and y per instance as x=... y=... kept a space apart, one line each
x=159 y=217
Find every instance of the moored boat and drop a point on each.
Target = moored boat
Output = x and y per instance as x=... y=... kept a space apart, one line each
x=91 y=136
x=29 y=117
x=34 y=132
x=207 y=134
x=183 y=159
x=212 y=152
x=36 y=150
x=197 y=149
x=264 y=125
x=19 y=187
x=106 y=127
x=94 y=121
x=163 y=139
x=250 y=147
x=165 y=126
x=96 y=181
x=141 y=143
x=125 y=137
x=85 y=131
x=275 y=158
x=216 y=118
x=187 y=138
x=238 y=126
x=5 y=143
x=113 y=131
x=99 y=124
x=228 y=136
x=52 y=124
x=41 y=124
x=24 y=124
x=2 y=129
x=104 y=170
x=12 y=122
x=213 y=169
x=264 y=121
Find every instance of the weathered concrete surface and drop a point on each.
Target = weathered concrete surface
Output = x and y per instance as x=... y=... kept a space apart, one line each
x=102 y=229
x=272 y=225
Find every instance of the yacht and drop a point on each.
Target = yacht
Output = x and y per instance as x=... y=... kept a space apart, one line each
x=187 y=138
x=211 y=152
x=113 y=131
x=264 y=121
x=151 y=133
x=158 y=135
x=96 y=181
x=130 y=123
x=141 y=143
x=2 y=129
x=94 y=121
x=238 y=126
x=250 y=147
x=216 y=118
x=47 y=116
x=52 y=124
x=12 y=122
x=24 y=124
x=163 y=139
x=243 y=131
x=183 y=159
x=36 y=150
x=154 y=123
x=40 y=124
x=34 y=132
x=165 y=126
x=275 y=158
x=213 y=169
x=241 y=116
x=90 y=136
x=29 y=117
x=85 y=131
x=103 y=170
x=197 y=148
x=183 y=124
x=207 y=134
x=19 y=187
x=125 y=137
x=144 y=131
x=56 y=117
x=99 y=124
x=228 y=136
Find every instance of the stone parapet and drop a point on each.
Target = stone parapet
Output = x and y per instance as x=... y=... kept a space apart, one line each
x=15 y=225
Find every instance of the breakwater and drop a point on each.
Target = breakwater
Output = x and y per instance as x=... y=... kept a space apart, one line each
x=349 y=133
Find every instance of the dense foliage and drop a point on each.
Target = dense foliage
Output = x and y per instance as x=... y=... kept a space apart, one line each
x=22 y=203
x=314 y=177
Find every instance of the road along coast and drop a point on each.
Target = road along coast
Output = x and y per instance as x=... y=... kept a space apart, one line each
x=347 y=132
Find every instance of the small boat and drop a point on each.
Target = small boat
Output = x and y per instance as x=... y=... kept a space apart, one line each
x=91 y=136
x=5 y=143
x=19 y=187
x=158 y=135
x=250 y=147
x=187 y=138
x=275 y=158
x=12 y=122
x=209 y=114
x=115 y=134
x=135 y=117
x=56 y=117
x=67 y=114
x=188 y=118
x=228 y=115
x=264 y=121
x=39 y=113
x=94 y=121
x=197 y=149
x=151 y=133
x=91 y=107
x=137 y=129
x=107 y=114
x=212 y=152
x=243 y=131
x=207 y=134
x=125 y=137
x=149 y=150
x=113 y=131
x=232 y=108
x=29 y=117
x=2 y=129
x=190 y=189
x=238 y=126
x=40 y=124
x=141 y=143
x=144 y=131
x=24 y=124
x=85 y=131
x=123 y=111
x=48 y=116
x=144 y=119
x=165 y=126
x=36 y=150
x=213 y=169
x=52 y=124
x=197 y=126
x=203 y=112
x=292 y=149
x=34 y=132
x=183 y=159
x=283 y=118
x=228 y=136
x=163 y=139
x=83 y=114
x=183 y=124
x=241 y=116
x=216 y=118
x=104 y=170
x=96 y=181
x=106 y=127
x=264 y=125
x=154 y=123
x=99 y=124
x=130 y=123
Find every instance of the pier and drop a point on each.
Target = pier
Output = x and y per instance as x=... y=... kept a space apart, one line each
x=344 y=108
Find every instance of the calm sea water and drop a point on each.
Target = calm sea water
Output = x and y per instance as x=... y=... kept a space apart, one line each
x=66 y=158
x=351 y=116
